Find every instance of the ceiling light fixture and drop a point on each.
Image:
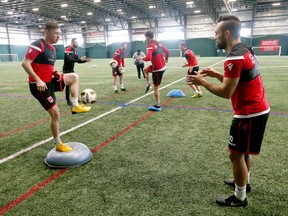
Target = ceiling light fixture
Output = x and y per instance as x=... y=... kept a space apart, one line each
x=89 y=13
x=35 y=9
x=190 y=4
x=64 y=5
x=276 y=4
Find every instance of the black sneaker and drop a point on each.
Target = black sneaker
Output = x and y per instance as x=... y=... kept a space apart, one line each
x=69 y=103
x=147 y=88
x=232 y=201
x=231 y=182
x=116 y=92
x=123 y=89
x=155 y=108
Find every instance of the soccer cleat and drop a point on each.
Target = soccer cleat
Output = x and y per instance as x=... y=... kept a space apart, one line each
x=200 y=94
x=196 y=95
x=116 y=92
x=232 y=201
x=62 y=147
x=155 y=108
x=231 y=182
x=123 y=89
x=147 y=88
x=80 y=109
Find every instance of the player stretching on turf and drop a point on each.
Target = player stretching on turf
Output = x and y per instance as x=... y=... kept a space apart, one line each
x=242 y=82
x=44 y=80
x=154 y=53
x=193 y=67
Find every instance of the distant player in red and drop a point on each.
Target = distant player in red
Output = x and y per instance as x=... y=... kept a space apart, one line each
x=154 y=53
x=119 y=56
x=242 y=83
x=44 y=81
x=193 y=67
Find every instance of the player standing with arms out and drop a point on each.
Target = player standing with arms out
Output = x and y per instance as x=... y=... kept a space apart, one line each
x=154 y=53
x=70 y=57
x=44 y=81
x=119 y=56
x=242 y=82
x=139 y=63
x=193 y=67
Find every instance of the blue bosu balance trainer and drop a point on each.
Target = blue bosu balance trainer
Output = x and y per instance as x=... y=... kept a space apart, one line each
x=176 y=93
x=80 y=154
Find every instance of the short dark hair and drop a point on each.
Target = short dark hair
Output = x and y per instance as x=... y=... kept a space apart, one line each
x=231 y=23
x=183 y=44
x=123 y=44
x=149 y=34
x=138 y=51
x=51 y=25
x=73 y=39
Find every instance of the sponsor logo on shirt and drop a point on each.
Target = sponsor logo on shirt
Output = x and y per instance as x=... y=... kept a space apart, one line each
x=230 y=65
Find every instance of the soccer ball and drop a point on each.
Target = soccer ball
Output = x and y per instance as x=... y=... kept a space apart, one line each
x=88 y=96
x=113 y=63
x=121 y=70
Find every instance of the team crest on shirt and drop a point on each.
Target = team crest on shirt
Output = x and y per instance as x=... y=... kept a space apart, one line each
x=30 y=50
x=230 y=65
x=50 y=99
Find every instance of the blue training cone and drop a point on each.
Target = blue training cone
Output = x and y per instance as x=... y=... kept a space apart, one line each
x=176 y=93
x=80 y=154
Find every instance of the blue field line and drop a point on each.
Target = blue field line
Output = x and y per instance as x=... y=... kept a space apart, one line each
x=184 y=107
x=122 y=104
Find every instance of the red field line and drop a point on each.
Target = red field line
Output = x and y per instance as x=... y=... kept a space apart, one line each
x=28 y=126
x=36 y=188
x=47 y=119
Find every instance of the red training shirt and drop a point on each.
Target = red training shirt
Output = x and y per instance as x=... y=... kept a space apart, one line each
x=43 y=57
x=248 y=99
x=154 y=53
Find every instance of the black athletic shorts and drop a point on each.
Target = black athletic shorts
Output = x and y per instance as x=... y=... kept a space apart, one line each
x=246 y=134
x=194 y=69
x=116 y=72
x=157 y=77
x=47 y=98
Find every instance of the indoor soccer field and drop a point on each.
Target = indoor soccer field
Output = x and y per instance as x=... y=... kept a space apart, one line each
x=144 y=163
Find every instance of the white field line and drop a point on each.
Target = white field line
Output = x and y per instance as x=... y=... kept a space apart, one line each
x=87 y=122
